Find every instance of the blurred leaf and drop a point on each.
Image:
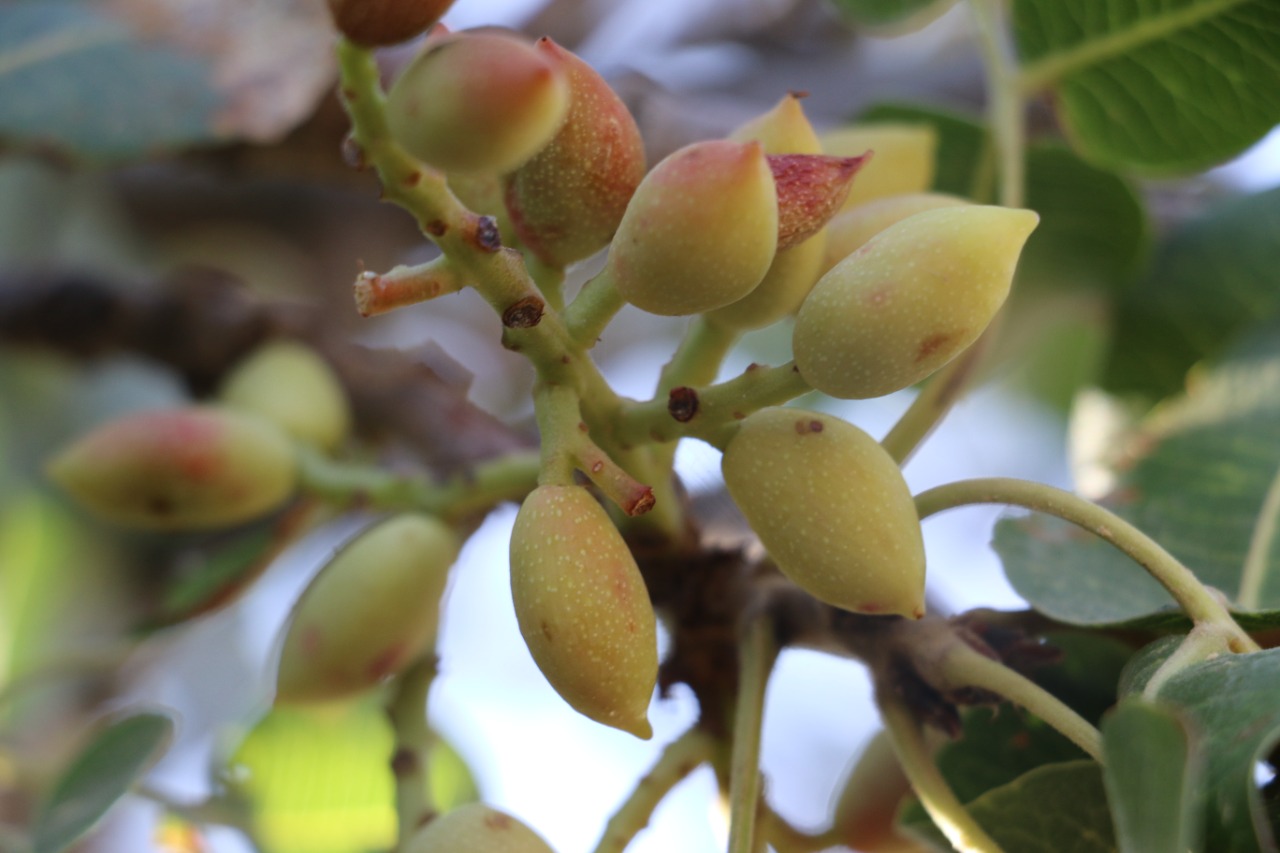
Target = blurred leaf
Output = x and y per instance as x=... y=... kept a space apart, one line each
x=98 y=776
x=134 y=77
x=1145 y=662
x=1056 y=808
x=1089 y=673
x=1162 y=87
x=997 y=746
x=1211 y=278
x=1053 y=344
x=898 y=15
x=1199 y=478
x=1151 y=779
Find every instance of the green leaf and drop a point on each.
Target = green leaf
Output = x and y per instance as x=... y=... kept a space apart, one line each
x=98 y=776
x=1150 y=777
x=1055 y=808
x=1157 y=85
x=1145 y=662
x=997 y=746
x=1199 y=476
x=898 y=15
x=1210 y=279
x=1088 y=675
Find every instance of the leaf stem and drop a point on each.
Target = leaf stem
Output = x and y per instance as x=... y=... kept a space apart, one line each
x=1202 y=643
x=680 y=758
x=1005 y=109
x=407 y=709
x=1199 y=603
x=926 y=779
x=758 y=653
x=1258 y=558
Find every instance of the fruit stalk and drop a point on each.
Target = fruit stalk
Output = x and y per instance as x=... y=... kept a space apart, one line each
x=758 y=653
x=942 y=391
x=407 y=709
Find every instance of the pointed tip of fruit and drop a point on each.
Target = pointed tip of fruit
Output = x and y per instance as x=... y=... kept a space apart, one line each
x=640 y=727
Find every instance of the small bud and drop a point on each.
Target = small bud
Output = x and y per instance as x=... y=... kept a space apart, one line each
x=831 y=508
x=566 y=202
x=785 y=129
x=376 y=23
x=850 y=229
x=179 y=469
x=583 y=607
x=902 y=158
x=700 y=231
x=368 y=612
x=290 y=385
x=476 y=828
x=811 y=189
x=477 y=102
x=910 y=300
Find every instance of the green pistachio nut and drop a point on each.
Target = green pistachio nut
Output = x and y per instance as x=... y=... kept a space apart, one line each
x=566 y=202
x=476 y=828
x=289 y=384
x=700 y=231
x=910 y=300
x=477 y=102
x=583 y=607
x=376 y=23
x=180 y=469
x=831 y=508
x=369 y=611
x=902 y=161
x=850 y=229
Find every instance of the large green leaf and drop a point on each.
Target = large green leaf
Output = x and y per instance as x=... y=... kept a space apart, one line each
x=1210 y=278
x=1156 y=85
x=898 y=15
x=998 y=746
x=103 y=772
x=1151 y=779
x=1200 y=477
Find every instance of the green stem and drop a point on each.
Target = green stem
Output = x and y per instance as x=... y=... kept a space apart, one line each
x=926 y=779
x=549 y=279
x=219 y=810
x=964 y=667
x=680 y=758
x=1005 y=110
x=1258 y=558
x=698 y=358
x=758 y=653
x=1202 y=643
x=407 y=708
x=593 y=308
x=932 y=404
x=1199 y=603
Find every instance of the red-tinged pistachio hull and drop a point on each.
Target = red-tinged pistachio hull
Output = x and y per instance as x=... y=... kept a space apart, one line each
x=476 y=828
x=910 y=300
x=700 y=231
x=368 y=612
x=831 y=507
x=477 y=102
x=376 y=23
x=583 y=607
x=567 y=201
x=180 y=469
x=811 y=189
x=290 y=385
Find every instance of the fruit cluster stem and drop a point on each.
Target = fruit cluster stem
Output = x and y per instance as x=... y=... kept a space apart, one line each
x=407 y=708
x=758 y=653
x=1005 y=109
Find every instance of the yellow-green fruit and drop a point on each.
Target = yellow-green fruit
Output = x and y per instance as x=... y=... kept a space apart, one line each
x=831 y=507
x=902 y=159
x=476 y=828
x=292 y=386
x=477 y=102
x=566 y=202
x=785 y=129
x=383 y=22
x=583 y=607
x=867 y=806
x=369 y=612
x=700 y=231
x=850 y=229
x=910 y=300
x=180 y=469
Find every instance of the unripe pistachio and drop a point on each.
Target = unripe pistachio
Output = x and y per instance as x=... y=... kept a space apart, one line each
x=583 y=608
x=369 y=611
x=376 y=23
x=902 y=158
x=290 y=385
x=831 y=508
x=867 y=806
x=910 y=300
x=476 y=828
x=785 y=129
x=567 y=201
x=477 y=102
x=700 y=231
x=850 y=229
x=176 y=469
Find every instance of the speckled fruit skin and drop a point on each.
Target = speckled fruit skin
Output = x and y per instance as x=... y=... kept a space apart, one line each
x=910 y=300
x=583 y=608
x=831 y=507
x=476 y=828
x=567 y=201
x=179 y=469
x=850 y=229
x=368 y=612
x=700 y=231
x=376 y=23
x=477 y=102
x=902 y=159
x=290 y=385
